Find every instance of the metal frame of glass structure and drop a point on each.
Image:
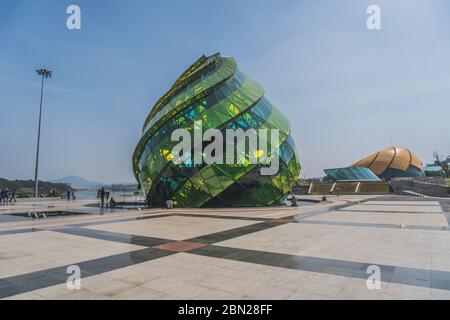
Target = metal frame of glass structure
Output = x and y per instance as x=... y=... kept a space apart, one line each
x=216 y=93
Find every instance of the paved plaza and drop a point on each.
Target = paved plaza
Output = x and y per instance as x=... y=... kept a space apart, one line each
x=316 y=251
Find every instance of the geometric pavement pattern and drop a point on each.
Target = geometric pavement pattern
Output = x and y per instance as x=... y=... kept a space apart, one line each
x=214 y=245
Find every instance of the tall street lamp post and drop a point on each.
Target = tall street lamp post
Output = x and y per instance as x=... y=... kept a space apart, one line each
x=44 y=73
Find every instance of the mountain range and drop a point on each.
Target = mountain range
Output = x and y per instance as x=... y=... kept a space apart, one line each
x=77 y=182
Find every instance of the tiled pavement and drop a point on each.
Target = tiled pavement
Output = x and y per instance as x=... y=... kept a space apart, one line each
x=320 y=251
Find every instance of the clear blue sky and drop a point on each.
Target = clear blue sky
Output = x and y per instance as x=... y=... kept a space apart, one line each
x=347 y=90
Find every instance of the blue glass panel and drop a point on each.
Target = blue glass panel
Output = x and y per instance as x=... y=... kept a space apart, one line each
x=351 y=174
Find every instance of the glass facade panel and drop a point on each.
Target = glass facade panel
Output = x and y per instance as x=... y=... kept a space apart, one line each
x=351 y=174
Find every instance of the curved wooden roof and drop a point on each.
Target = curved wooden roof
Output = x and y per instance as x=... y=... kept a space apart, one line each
x=393 y=157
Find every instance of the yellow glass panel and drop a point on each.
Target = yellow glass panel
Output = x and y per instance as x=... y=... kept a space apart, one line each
x=166 y=154
x=259 y=153
x=233 y=109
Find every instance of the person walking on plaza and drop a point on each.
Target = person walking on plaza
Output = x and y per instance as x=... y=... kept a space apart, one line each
x=5 y=196
x=107 y=193
x=102 y=196
x=112 y=203
x=13 y=195
x=2 y=196
x=68 y=195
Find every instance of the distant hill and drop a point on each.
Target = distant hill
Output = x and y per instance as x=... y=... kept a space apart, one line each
x=25 y=188
x=77 y=182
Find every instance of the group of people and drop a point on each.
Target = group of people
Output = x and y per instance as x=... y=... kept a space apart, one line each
x=71 y=195
x=6 y=197
x=104 y=194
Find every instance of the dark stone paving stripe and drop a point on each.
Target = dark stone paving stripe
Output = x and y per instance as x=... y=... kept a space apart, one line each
x=17 y=231
x=386 y=211
x=400 y=204
x=94 y=223
x=319 y=211
x=312 y=213
x=164 y=215
x=5 y=218
x=215 y=216
x=45 y=278
x=395 y=197
x=114 y=236
x=393 y=274
x=375 y=225
x=236 y=232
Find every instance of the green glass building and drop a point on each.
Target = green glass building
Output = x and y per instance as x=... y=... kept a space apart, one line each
x=216 y=93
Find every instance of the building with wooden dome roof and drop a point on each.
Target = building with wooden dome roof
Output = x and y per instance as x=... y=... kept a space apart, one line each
x=392 y=162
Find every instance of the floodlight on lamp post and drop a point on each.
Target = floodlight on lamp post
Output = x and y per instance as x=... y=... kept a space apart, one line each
x=44 y=73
